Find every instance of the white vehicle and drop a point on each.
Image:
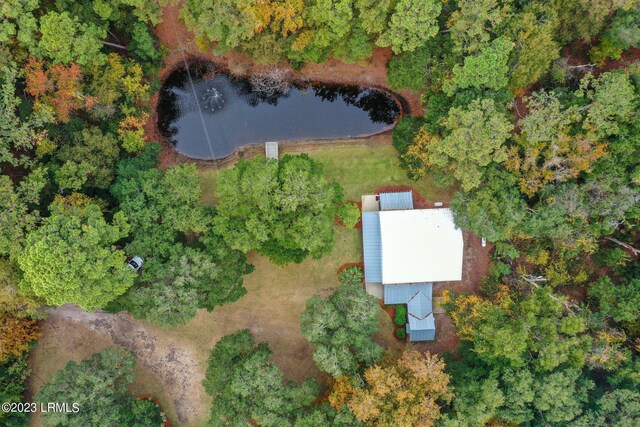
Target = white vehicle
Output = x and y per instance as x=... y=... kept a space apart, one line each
x=484 y=242
x=135 y=263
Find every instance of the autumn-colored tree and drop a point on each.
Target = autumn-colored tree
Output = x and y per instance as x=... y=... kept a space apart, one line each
x=549 y=150
x=16 y=334
x=404 y=392
x=59 y=87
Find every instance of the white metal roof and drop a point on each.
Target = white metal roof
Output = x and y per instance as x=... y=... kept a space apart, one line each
x=420 y=245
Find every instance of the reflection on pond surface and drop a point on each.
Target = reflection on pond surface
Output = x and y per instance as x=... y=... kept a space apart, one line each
x=208 y=114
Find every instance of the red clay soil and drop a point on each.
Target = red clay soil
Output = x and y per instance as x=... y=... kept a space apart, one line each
x=389 y=309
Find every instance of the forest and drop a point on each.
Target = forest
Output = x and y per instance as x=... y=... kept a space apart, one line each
x=529 y=114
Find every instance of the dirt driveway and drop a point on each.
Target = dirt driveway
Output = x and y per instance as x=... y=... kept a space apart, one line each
x=167 y=368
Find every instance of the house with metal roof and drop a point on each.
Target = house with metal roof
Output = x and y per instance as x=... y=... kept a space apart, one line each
x=405 y=251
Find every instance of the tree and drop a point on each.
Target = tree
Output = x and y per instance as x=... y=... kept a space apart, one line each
x=284 y=209
x=228 y=22
x=620 y=300
x=474 y=140
x=584 y=19
x=99 y=386
x=16 y=334
x=523 y=363
x=65 y=40
x=617 y=408
x=340 y=328
x=12 y=301
x=97 y=151
x=178 y=277
x=412 y=23
x=15 y=216
x=407 y=391
x=116 y=81
x=71 y=257
x=171 y=293
x=58 y=88
x=549 y=149
x=18 y=24
x=349 y=214
x=150 y=197
x=612 y=100
x=17 y=134
x=535 y=47
x=495 y=209
x=246 y=387
x=330 y=20
x=14 y=373
x=409 y=70
x=472 y=24
x=536 y=331
x=623 y=34
x=373 y=14
x=488 y=69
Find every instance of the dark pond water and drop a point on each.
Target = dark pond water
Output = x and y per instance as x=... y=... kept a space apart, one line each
x=209 y=114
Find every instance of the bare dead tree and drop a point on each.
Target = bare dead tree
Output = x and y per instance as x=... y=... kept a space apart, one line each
x=627 y=246
x=273 y=82
x=534 y=282
x=574 y=72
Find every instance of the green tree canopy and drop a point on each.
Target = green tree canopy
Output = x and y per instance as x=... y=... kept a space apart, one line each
x=523 y=359
x=473 y=22
x=246 y=387
x=71 y=258
x=474 y=140
x=99 y=385
x=283 y=209
x=64 y=40
x=495 y=209
x=412 y=23
x=340 y=328
x=488 y=69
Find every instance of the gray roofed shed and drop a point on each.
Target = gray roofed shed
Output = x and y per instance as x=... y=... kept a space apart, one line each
x=396 y=201
x=421 y=335
x=372 y=247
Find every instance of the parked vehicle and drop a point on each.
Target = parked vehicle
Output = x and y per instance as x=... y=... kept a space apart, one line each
x=135 y=263
x=484 y=242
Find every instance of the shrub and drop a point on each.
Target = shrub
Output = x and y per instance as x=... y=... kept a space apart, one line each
x=349 y=214
x=401 y=333
x=351 y=276
x=401 y=315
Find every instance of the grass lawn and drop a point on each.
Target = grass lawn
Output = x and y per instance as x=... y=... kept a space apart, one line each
x=359 y=169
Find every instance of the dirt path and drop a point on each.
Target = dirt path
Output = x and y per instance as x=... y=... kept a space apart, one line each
x=170 y=363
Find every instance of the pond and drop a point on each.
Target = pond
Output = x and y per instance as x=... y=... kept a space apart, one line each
x=209 y=114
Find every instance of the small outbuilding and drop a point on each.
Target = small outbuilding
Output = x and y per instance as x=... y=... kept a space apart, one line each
x=271 y=150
